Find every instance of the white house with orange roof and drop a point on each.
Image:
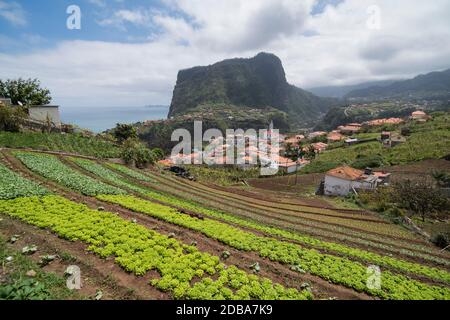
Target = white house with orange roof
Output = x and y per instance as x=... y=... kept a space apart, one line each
x=343 y=180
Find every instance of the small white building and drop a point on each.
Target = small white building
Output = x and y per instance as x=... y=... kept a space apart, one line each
x=44 y=113
x=344 y=180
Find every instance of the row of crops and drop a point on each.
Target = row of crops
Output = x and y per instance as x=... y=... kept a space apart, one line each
x=109 y=175
x=13 y=185
x=404 y=266
x=140 y=250
x=332 y=268
x=340 y=222
x=51 y=168
x=335 y=269
x=407 y=249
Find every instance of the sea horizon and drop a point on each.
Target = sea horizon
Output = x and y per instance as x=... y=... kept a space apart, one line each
x=99 y=119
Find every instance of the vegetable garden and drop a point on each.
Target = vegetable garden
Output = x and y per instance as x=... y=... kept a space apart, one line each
x=319 y=243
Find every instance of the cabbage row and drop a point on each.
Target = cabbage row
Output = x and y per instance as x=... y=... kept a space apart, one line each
x=50 y=167
x=335 y=269
x=140 y=250
x=12 y=185
x=106 y=174
x=130 y=172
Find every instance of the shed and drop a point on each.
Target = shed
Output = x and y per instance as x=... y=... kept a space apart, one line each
x=42 y=113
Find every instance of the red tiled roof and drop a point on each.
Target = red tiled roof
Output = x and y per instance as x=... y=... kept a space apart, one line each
x=346 y=173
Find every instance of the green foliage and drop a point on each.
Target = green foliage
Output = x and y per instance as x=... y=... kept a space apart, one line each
x=420 y=197
x=336 y=269
x=11 y=118
x=123 y=132
x=107 y=174
x=130 y=172
x=28 y=92
x=443 y=178
x=16 y=285
x=135 y=152
x=363 y=162
x=51 y=168
x=13 y=185
x=139 y=250
x=24 y=289
x=73 y=143
x=442 y=240
x=158 y=153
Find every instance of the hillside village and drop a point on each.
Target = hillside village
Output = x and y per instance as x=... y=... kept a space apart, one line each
x=297 y=151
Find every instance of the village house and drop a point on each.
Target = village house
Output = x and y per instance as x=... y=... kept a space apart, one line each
x=419 y=116
x=334 y=136
x=350 y=128
x=286 y=165
x=319 y=147
x=344 y=180
x=380 y=122
x=316 y=134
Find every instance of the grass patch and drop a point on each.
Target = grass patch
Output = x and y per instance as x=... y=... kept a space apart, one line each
x=16 y=285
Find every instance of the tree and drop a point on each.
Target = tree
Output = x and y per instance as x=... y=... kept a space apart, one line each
x=420 y=197
x=26 y=91
x=158 y=153
x=123 y=132
x=134 y=151
x=11 y=118
x=310 y=152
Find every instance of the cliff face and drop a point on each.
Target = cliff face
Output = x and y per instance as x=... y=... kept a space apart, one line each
x=259 y=82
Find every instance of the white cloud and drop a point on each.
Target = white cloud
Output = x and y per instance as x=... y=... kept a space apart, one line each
x=13 y=13
x=339 y=48
x=123 y=17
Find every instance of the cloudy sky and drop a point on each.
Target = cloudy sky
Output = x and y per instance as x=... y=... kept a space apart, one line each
x=128 y=53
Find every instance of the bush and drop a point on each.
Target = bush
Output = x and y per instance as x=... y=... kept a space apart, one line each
x=158 y=153
x=363 y=162
x=442 y=240
x=123 y=132
x=11 y=118
x=135 y=152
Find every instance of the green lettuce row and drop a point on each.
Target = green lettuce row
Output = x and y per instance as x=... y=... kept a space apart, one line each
x=140 y=250
x=13 y=185
x=335 y=269
x=130 y=172
x=51 y=168
x=106 y=174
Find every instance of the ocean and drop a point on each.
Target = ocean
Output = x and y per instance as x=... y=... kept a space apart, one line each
x=99 y=119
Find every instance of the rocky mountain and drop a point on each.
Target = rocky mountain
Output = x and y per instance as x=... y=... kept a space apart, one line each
x=258 y=82
x=434 y=85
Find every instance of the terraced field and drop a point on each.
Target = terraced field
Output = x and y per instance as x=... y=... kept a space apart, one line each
x=188 y=240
